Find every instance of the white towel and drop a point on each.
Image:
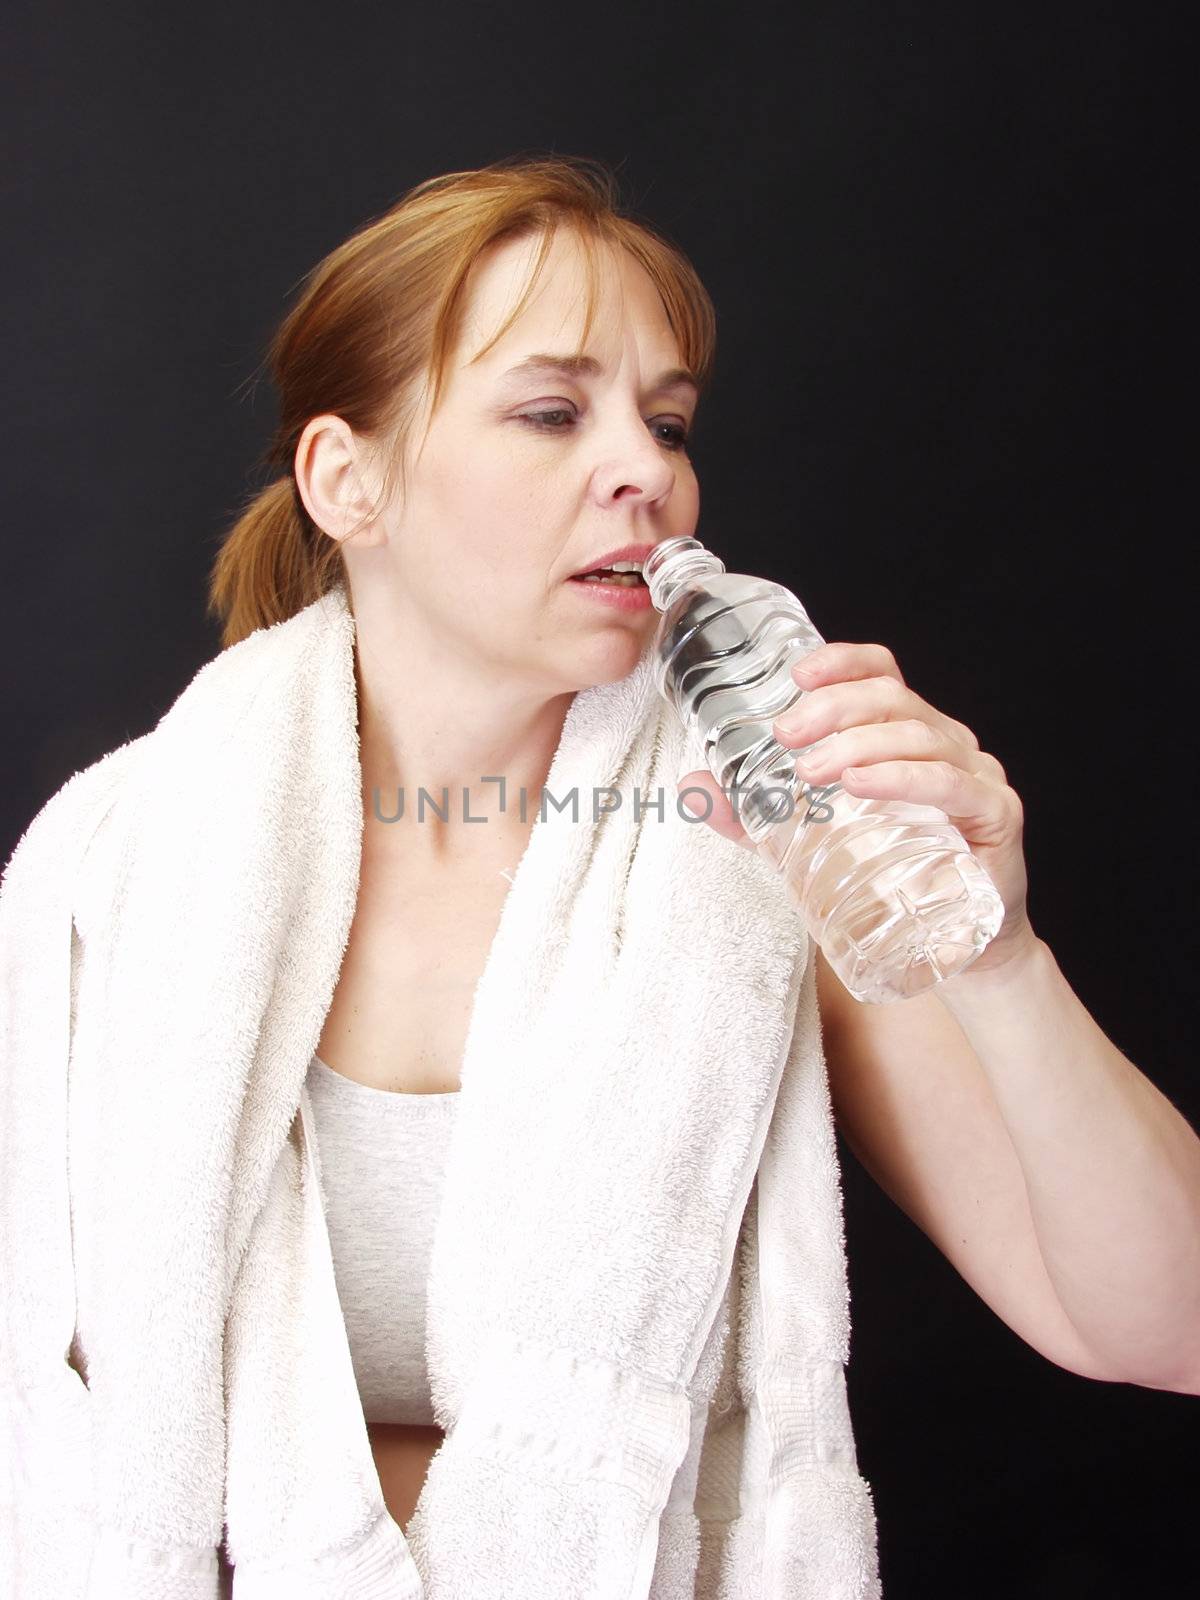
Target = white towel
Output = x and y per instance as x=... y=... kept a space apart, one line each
x=643 y=1060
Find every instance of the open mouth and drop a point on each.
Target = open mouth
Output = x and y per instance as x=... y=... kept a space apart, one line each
x=625 y=575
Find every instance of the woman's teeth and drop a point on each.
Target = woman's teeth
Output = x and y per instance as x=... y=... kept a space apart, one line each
x=628 y=580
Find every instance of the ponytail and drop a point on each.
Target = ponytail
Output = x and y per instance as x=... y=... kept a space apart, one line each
x=272 y=564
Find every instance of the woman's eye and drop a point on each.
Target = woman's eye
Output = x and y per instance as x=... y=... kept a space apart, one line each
x=677 y=434
x=538 y=418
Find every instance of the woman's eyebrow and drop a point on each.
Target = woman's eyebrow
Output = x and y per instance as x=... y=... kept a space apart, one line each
x=589 y=367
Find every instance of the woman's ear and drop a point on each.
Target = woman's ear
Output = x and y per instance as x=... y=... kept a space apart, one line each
x=337 y=482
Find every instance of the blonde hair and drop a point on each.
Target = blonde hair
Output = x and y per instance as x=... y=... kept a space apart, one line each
x=382 y=312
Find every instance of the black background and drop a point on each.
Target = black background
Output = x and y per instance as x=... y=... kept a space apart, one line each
x=946 y=246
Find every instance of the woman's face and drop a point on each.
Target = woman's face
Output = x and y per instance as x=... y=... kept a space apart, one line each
x=528 y=477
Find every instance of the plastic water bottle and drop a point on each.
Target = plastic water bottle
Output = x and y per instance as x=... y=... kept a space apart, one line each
x=889 y=890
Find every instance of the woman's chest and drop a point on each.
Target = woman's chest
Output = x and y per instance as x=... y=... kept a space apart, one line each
x=417 y=948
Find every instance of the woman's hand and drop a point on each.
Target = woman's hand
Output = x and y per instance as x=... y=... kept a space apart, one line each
x=884 y=742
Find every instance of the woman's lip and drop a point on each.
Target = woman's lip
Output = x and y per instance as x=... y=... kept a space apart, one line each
x=625 y=597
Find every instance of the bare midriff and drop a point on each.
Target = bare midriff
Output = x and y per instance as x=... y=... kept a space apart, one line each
x=402 y=1454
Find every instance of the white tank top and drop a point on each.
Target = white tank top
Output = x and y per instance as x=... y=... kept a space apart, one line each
x=382 y=1161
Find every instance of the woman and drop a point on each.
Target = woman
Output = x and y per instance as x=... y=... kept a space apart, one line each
x=473 y=635
x=461 y=437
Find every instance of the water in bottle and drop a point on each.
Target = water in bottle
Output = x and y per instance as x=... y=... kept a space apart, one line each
x=888 y=889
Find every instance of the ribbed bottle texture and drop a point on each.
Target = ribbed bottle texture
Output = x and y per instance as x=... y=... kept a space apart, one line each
x=889 y=890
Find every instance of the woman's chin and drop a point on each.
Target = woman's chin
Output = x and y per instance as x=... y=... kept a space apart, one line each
x=611 y=654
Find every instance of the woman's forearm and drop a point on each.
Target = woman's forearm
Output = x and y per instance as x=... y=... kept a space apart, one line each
x=1111 y=1167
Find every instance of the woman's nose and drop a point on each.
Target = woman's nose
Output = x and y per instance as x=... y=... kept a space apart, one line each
x=637 y=466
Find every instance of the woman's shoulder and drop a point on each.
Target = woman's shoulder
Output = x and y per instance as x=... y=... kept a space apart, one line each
x=219 y=690
x=61 y=831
